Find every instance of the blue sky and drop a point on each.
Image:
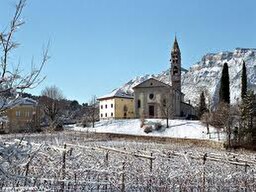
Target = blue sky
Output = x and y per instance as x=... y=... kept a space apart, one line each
x=98 y=45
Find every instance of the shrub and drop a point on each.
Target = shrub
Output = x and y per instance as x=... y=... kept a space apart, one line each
x=158 y=126
x=148 y=128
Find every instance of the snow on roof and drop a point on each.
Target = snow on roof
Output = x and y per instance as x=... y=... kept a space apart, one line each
x=117 y=93
x=21 y=101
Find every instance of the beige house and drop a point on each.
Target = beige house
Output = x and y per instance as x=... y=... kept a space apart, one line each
x=116 y=105
x=23 y=114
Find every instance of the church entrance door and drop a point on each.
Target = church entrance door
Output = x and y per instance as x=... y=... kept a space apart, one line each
x=151 y=111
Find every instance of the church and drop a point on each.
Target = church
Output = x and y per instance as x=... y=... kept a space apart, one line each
x=155 y=99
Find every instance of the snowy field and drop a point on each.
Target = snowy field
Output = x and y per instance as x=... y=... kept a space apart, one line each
x=70 y=161
x=177 y=129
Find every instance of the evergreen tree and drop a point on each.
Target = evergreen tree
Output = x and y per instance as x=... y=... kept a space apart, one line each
x=248 y=117
x=244 y=82
x=202 y=105
x=224 y=93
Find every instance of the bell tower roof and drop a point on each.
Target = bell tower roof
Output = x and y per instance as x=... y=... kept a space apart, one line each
x=175 y=47
x=175 y=71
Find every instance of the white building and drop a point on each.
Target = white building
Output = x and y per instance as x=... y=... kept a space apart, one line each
x=116 y=105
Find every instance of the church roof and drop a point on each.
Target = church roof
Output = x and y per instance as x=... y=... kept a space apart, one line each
x=116 y=93
x=159 y=83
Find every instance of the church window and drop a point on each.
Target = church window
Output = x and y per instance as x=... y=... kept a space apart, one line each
x=151 y=96
x=151 y=83
x=112 y=105
x=101 y=115
x=175 y=70
x=139 y=103
x=111 y=114
x=106 y=114
x=164 y=102
x=101 y=106
x=106 y=106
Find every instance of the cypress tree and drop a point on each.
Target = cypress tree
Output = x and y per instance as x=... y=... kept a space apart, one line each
x=224 y=93
x=244 y=82
x=202 y=105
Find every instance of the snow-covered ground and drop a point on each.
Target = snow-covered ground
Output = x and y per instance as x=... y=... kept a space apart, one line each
x=177 y=128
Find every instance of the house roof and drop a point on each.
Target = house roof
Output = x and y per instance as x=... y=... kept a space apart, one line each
x=21 y=102
x=116 y=93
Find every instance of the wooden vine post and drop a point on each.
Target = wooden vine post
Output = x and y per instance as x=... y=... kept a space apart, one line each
x=122 y=178
x=151 y=171
x=106 y=175
x=204 y=161
x=63 y=168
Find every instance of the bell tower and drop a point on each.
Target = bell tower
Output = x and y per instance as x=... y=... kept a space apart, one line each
x=175 y=60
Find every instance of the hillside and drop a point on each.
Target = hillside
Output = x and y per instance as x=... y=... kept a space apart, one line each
x=205 y=74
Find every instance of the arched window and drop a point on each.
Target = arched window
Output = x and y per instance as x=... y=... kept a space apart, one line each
x=138 y=103
x=175 y=70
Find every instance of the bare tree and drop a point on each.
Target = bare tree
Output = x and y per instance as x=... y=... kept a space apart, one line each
x=13 y=81
x=166 y=107
x=51 y=102
x=91 y=112
x=206 y=119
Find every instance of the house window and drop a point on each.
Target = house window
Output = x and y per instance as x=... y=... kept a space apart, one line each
x=27 y=114
x=106 y=115
x=106 y=106
x=112 y=105
x=101 y=115
x=17 y=113
x=101 y=106
x=138 y=104
x=112 y=114
x=125 y=108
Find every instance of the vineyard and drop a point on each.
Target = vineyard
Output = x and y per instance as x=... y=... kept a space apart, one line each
x=71 y=162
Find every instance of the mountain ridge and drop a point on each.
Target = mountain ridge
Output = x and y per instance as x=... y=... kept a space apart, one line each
x=205 y=74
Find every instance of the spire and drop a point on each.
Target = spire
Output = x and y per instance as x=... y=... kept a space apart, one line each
x=175 y=47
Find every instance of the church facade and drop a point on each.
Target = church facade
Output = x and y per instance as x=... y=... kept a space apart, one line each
x=155 y=99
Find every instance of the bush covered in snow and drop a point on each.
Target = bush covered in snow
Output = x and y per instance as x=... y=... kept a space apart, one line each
x=148 y=128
